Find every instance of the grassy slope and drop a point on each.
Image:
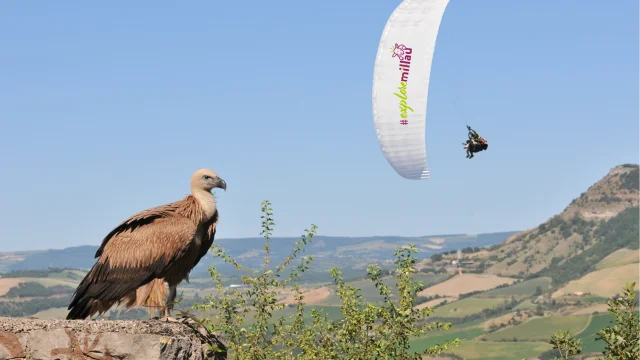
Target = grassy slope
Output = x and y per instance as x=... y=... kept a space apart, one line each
x=606 y=282
x=619 y=258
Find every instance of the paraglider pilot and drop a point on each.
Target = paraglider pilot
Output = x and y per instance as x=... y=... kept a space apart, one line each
x=475 y=143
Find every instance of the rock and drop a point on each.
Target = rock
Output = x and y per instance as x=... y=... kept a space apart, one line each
x=33 y=339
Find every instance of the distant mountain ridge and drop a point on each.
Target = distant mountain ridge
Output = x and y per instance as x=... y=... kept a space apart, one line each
x=249 y=251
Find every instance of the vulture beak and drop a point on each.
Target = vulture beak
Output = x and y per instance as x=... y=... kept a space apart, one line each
x=221 y=184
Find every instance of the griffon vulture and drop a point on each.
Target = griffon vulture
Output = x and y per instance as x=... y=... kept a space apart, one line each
x=157 y=245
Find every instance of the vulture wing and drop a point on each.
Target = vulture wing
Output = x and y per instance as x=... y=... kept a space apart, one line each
x=134 y=253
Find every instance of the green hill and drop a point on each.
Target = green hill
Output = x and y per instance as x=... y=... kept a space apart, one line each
x=600 y=221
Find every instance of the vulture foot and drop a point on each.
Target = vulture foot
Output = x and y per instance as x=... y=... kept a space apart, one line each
x=168 y=319
x=181 y=319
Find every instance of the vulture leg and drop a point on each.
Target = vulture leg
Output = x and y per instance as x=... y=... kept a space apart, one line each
x=171 y=297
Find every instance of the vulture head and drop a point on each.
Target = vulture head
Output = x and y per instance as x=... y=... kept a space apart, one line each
x=207 y=180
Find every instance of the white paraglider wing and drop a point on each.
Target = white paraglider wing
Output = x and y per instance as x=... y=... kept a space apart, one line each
x=401 y=84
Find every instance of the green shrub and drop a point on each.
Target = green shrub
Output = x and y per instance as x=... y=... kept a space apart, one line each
x=367 y=330
x=622 y=338
x=564 y=346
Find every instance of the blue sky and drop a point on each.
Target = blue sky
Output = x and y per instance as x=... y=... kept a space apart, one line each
x=107 y=108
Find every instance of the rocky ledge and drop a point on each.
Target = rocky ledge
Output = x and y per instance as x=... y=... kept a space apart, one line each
x=33 y=339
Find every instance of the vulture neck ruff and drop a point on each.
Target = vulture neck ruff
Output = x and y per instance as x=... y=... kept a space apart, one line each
x=206 y=201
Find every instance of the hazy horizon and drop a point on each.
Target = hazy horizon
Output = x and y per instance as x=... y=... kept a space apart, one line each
x=317 y=237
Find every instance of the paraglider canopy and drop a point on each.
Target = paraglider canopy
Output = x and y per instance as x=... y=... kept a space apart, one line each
x=401 y=83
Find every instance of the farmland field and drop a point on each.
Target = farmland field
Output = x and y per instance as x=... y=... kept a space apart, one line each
x=525 y=288
x=599 y=308
x=525 y=305
x=479 y=350
x=588 y=336
x=313 y=296
x=464 y=307
x=8 y=283
x=439 y=337
x=466 y=283
x=49 y=282
x=541 y=329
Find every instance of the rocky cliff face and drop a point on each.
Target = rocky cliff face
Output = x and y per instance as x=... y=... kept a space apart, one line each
x=33 y=339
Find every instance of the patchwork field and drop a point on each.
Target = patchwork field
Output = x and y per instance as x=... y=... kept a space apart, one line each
x=599 y=308
x=477 y=343
x=479 y=350
x=313 y=296
x=435 y=302
x=525 y=288
x=369 y=291
x=497 y=320
x=541 y=329
x=526 y=305
x=464 y=307
x=465 y=283
x=7 y=284
x=48 y=282
x=532 y=336
x=440 y=337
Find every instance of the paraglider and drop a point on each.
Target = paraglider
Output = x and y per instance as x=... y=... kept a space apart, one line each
x=401 y=83
x=476 y=143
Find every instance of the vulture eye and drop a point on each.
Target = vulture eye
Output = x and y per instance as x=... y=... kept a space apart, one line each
x=207 y=177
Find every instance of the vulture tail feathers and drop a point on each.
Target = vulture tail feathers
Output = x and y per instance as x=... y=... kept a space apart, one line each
x=104 y=286
x=81 y=310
